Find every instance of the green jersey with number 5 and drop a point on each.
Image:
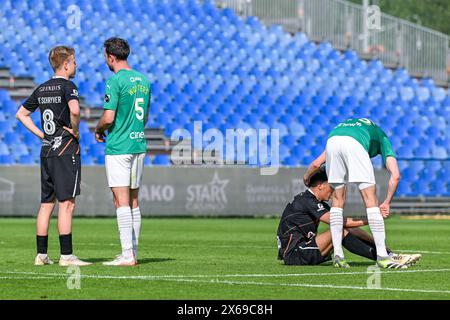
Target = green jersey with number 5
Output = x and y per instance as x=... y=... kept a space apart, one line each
x=128 y=94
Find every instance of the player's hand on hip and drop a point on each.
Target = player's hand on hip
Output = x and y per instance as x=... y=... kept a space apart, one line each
x=100 y=137
x=385 y=209
x=75 y=135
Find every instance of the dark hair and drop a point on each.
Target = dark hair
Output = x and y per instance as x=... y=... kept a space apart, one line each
x=117 y=47
x=317 y=178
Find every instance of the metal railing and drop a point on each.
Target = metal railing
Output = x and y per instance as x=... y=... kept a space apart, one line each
x=396 y=42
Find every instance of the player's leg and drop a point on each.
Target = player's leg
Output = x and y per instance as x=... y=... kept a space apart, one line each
x=337 y=175
x=137 y=169
x=360 y=171
x=118 y=172
x=357 y=246
x=362 y=235
x=324 y=242
x=48 y=201
x=351 y=242
x=337 y=223
x=65 y=214
x=121 y=196
x=376 y=221
x=66 y=172
x=42 y=225
x=314 y=251
x=366 y=238
x=124 y=219
x=376 y=224
x=136 y=216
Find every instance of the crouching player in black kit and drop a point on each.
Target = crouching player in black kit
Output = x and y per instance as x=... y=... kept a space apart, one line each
x=57 y=99
x=298 y=241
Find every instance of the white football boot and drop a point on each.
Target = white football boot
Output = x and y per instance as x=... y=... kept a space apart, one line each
x=405 y=259
x=42 y=259
x=392 y=262
x=416 y=257
x=122 y=260
x=71 y=260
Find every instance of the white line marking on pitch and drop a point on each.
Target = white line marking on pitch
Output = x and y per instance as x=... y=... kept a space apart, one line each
x=304 y=285
x=420 y=251
x=187 y=245
x=245 y=247
x=26 y=278
x=151 y=277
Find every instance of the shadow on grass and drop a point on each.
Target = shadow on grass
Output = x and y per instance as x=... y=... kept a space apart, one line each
x=362 y=263
x=140 y=261
x=150 y=260
x=329 y=264
x=351 y=263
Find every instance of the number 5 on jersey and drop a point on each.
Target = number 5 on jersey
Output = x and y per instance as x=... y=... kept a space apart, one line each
x=138 y=107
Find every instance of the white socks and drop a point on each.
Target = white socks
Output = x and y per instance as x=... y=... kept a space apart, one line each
x=136 y=215
x=125 y=222
x=376 y=224
x=336 y=227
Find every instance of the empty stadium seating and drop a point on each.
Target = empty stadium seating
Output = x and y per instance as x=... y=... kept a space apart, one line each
x=209 y=64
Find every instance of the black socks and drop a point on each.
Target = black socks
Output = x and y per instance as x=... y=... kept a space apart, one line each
x=65 y=242
x=42 y=244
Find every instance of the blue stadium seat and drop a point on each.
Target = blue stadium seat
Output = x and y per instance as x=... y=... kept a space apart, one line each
x=7 y=160
x=12 y=138
x=87 y=160
x=147 y=161
x=6 y=126
x=100 y=160
x=4 y=150
x=161 y=160
x=19 y=149
x=97 y=150
x=27 y=160
x=209 y=64
x=420 y=188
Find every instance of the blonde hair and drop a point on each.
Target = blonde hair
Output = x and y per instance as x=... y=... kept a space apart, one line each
x=58 y=55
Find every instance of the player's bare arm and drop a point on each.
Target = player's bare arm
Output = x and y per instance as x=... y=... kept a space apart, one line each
x=23 y=115
x=392 y=167
x=313 y=168
x=74 y=107
x=104 y=123
x=348 y=222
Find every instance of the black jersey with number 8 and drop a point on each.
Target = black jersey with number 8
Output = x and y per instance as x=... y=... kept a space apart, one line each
x=52 y=98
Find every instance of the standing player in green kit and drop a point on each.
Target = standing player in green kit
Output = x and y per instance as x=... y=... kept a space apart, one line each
x=126 y=108
x=349 y=148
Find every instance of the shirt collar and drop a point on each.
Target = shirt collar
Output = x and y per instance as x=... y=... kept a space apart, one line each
x=309 y=189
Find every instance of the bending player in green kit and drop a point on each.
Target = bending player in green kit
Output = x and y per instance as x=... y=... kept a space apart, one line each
x=349 y=148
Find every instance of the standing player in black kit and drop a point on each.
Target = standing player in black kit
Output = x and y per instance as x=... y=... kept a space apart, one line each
x=57 y=99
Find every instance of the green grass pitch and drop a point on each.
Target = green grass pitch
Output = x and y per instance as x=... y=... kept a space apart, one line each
x=215 y=259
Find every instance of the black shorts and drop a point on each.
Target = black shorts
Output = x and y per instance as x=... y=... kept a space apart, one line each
x=306 y=253
x=60 y=177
